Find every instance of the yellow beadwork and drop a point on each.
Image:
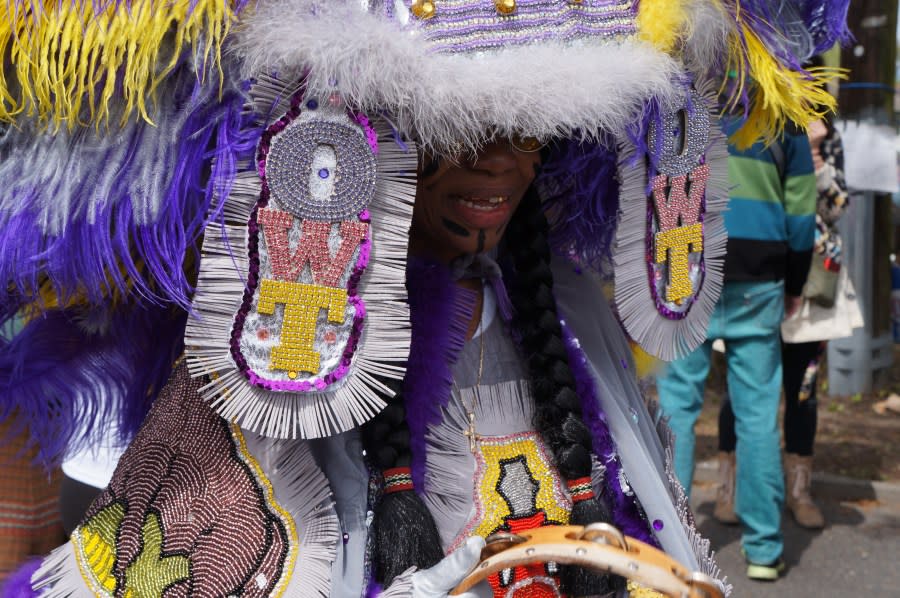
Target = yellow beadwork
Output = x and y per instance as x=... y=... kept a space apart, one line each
x=95 y=547
x=635 y=590
x=550 y=496
x=151 y=572
x=675 y=245
x=302 y=303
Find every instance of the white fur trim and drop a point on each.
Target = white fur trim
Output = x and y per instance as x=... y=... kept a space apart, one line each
x=545 y=90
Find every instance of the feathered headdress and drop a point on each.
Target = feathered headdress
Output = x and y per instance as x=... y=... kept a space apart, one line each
x=286 y=130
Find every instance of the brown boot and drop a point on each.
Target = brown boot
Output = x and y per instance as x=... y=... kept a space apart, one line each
x=724 y=510
x=798 y=477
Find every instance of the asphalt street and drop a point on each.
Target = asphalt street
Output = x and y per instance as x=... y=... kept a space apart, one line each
x=857 y=554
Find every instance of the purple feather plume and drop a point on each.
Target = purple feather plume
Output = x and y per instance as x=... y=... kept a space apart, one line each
x=18 y=583
x=439 y=315
x=626 y=512
x=580 y=189
x=66 y=371
x=826 y=21
x=120 y=245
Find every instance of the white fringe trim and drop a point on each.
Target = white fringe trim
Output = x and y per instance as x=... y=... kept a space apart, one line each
x=548 y=89
x=668 y=339
x=302 y=490
x=59 y=576
x=384 y=345
x=706 y=557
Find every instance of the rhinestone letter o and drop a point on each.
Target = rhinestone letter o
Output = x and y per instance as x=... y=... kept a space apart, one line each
x=289 y=164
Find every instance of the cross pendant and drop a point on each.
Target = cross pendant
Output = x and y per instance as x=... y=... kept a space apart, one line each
x=470 y=433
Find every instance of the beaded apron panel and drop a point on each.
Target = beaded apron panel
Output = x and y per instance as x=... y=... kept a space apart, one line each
x=187 y=513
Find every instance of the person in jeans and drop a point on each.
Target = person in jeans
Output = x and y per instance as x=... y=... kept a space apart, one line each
x=770 y=227
x=805 y=337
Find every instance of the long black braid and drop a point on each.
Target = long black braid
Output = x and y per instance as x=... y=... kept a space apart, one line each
x=557 y=404
x=403 y=531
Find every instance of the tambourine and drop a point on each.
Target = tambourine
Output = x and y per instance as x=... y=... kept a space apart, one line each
x=598 y=546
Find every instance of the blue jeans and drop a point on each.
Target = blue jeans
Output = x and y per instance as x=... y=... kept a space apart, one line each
x=747 y=317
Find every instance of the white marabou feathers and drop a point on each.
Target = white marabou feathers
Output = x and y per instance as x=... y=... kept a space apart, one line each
x=543 y=90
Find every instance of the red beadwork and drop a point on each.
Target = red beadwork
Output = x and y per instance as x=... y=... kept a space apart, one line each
x=581 y=489
x=397 y=479
x=312 y=248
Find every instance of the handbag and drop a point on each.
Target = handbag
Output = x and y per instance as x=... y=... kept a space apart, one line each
x=822 y=281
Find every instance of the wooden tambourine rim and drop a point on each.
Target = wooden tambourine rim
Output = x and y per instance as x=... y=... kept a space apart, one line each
x=631 y=559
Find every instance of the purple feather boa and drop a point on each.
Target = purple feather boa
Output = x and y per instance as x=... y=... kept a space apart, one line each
x=117 y=248
x=66 y=371
x=580 y=189
x=18 y=584
x=626 y=512
x=439 y=315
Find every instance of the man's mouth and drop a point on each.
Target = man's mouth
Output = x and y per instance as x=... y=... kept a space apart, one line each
x=483 y=204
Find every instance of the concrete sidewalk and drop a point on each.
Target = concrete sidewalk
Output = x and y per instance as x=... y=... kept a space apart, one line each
x=855 y=555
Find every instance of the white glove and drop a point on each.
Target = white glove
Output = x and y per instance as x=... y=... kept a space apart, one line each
x=438 y=581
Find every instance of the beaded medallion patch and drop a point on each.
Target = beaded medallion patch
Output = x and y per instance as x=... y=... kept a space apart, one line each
x=301 y=295
x=301 y=318
x=670 y=242
x=516 y=488
x=187 y=513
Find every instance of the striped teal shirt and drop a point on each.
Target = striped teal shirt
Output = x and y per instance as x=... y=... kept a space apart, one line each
x=771 y=218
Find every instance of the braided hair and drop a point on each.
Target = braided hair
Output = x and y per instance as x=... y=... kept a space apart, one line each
x=404 y=531
x=558 y=416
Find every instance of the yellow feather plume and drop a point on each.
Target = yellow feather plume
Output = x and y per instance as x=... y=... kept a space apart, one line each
x=662 y=22
x=70 y=57
x=780 y=95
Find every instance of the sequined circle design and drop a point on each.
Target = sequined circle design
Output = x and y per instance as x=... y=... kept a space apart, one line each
x=202 y=521
x=676 y=205
x=340 y=192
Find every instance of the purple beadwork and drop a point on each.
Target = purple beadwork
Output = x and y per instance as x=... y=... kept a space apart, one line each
x=473 y=25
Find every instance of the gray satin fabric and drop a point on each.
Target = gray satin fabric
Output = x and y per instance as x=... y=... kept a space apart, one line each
x=586 y=311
